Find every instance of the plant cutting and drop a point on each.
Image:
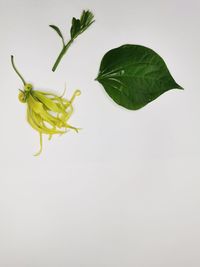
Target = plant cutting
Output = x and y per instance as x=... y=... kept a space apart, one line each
x=47 y=113
x=78 y=26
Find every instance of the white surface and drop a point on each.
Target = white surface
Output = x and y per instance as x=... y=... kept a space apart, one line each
x=125 y=191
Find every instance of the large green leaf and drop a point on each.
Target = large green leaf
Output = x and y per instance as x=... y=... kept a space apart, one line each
x=134 y=75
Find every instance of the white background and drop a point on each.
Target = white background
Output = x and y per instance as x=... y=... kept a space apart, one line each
x=125 y=191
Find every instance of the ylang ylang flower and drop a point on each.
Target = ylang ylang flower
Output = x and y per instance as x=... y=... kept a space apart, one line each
x=47 y=113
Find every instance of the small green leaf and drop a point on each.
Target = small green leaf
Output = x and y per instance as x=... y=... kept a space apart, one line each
x=75 y=28
x=134 y=75
x=83 y=17
x=58 y=31
x=87 y=18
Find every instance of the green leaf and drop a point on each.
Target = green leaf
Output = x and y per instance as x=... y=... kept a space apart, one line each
x=57 y=30
x=75 y=28
x=80 y=25
x=87 y=18
x=134 y=75
x=83 y=17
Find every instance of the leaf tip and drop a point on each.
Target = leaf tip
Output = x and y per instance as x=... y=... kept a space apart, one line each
x=179 y=87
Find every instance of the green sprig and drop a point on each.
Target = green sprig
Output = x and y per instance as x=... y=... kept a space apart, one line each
x=78 y=26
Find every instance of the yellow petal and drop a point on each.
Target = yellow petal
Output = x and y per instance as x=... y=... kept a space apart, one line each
x=40 y=151
x=51 y=105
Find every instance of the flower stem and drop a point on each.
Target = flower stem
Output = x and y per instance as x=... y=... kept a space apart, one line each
x=62 y=53
x=13 y=64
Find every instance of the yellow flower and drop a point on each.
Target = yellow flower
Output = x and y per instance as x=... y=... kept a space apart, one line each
x=47 y=113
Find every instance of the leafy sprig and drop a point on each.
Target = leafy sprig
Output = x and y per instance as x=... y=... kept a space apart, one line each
x=78 y=26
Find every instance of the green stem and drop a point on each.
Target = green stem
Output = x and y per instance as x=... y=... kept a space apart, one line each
x=62 y=53
x=20 y=76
